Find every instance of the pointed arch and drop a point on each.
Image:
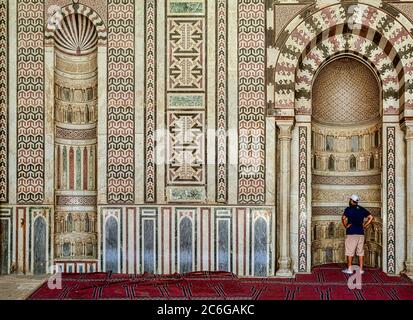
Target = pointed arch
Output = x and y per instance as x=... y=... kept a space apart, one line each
x=303 y=33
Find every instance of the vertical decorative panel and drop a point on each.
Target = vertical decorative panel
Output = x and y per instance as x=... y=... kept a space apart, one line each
x=4 y=246
x=261 y=260
x=78 y=169
x=222 y=100
x=185 y=245
x=185 y=240
x=223 y=236
x=85 y=169
x=64 y=169
x=39 y=246
x=6 y=236
x=204 y=238
x=185 y=99
x=92 y=167
x=260 y=247
x=186 y=54
x=166 y=244
x=30 y=101
x=71 y=169
x=391 y=200
x=39 y=240
x=111 y=244
x=185 y=147
x=149 y=243
x=3 y=101
x=251 y=101
x=240 y=240
x=150 y=100
x=302 y=199
x=148 y=246
x=58 y=176
x=121 y=96
x=223 y=258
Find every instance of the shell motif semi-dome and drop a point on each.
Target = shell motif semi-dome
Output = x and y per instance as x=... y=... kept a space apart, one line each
x=76 y=35
x=345 y=91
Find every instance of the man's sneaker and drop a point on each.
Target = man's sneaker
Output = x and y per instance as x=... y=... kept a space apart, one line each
x=347 y=271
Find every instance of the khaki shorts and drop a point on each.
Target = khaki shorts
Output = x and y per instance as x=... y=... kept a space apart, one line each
x=353 y=242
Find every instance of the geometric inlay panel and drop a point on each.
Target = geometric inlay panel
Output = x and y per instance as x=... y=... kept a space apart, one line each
x=251 y=101
x=185 y=147
x=121 y=100
x=30 y=101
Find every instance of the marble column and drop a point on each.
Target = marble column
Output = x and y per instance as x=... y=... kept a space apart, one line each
x=409 y=198
x=284 y=261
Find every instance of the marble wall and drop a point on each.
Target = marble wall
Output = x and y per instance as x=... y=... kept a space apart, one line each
x=155 y=126
x=201 y=133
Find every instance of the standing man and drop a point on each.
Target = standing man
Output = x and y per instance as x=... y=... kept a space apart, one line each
x=353 y=220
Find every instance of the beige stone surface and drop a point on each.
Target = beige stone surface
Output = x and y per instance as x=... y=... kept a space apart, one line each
x=19 y=287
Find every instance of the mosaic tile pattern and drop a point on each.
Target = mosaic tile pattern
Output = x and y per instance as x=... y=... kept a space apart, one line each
x=3 y=102
x=338 y=211
x=185 y=147
x=251 y=101
x=121 y=101
x=222 y=101
x=302 y=199
x=150 y=100
x=30 y=101
x=186 y=48
x=391 y=200
x=358 y=180
x=336 y=92
x=357 y=45
x=185 y=92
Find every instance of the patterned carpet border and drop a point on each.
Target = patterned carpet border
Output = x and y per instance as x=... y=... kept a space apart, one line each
x=324 y=283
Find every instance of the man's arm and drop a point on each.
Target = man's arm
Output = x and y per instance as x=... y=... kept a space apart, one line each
x=344 y=221
x=370 y=219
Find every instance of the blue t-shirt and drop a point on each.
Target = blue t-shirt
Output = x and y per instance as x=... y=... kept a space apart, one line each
x=355 y=216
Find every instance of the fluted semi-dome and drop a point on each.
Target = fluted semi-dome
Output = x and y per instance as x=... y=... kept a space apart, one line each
x=345 y=92
x=76 y=35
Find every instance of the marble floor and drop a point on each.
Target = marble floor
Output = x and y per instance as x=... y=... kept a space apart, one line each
x=18 y=287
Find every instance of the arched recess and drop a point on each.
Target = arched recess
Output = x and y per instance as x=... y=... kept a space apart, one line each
x=75 y=46
x=380 y=24
x=346 y=102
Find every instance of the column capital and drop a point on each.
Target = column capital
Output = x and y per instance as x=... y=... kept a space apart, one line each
x=407 y=127
x=285 y=127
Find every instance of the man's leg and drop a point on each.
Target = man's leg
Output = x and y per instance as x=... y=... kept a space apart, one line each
x=350 y=245
x=360 y=251
x=361 y=260
x=349 y=262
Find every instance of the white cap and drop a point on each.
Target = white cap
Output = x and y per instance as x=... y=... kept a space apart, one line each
x=355 y=198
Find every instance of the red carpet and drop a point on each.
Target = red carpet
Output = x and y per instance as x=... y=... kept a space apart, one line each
x=324 y=283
